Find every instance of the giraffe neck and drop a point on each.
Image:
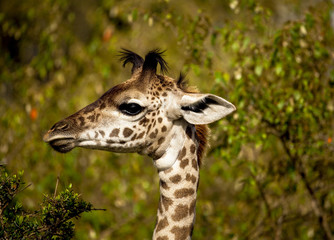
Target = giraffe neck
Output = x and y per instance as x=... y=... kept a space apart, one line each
x=178 y=189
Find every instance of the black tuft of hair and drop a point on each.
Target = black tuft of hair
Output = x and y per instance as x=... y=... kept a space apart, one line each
x=152 y=59
x=127 y=56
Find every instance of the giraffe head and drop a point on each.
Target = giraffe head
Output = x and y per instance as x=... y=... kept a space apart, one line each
x=139 y=114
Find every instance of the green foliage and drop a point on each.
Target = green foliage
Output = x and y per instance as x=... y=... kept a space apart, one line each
x=52 y=221
x=283 y=127
x=269 y=172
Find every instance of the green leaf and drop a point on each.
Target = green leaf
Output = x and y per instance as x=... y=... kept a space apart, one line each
x=258 y=70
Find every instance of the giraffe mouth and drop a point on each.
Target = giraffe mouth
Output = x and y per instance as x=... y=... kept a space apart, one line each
x=63 y=145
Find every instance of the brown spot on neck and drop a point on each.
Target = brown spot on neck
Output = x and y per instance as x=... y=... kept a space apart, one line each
x=184 y=163
x=166 y=202
x=181 y=233
x=168 y=170
x=192 y=148
x=181 y=211
x=164 y=185
x=191 y=178
x=184 y=192
x=162 y=224
x=182 y=153
x=161 y=140
x=176 y=178
x=194 y=164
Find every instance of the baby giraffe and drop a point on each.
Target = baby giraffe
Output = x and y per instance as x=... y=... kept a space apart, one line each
x=157 y=116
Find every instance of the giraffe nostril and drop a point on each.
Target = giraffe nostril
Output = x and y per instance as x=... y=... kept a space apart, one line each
x=59 y=126
x=63 y=126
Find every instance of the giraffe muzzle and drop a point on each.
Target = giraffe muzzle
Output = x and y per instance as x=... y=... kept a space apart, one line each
x=63 y=145
x=60 y=142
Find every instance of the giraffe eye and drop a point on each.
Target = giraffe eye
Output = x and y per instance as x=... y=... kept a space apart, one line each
x=130 y=108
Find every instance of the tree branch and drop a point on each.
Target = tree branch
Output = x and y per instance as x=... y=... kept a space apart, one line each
x=317 y=208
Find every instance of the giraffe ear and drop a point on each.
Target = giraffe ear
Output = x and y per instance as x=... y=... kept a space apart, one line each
x=204 y=108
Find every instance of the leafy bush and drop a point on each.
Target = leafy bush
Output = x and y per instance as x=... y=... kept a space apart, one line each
x=52 y=221
x=283 y=89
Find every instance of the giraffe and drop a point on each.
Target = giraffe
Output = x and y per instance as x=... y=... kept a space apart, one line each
x=155 y=115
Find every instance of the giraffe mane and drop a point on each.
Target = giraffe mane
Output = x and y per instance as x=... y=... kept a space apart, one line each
x=202 y=136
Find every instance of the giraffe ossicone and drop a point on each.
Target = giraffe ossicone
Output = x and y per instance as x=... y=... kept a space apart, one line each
x=155 y=115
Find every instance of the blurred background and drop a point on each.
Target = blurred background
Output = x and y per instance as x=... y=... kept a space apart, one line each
x=269 y=173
